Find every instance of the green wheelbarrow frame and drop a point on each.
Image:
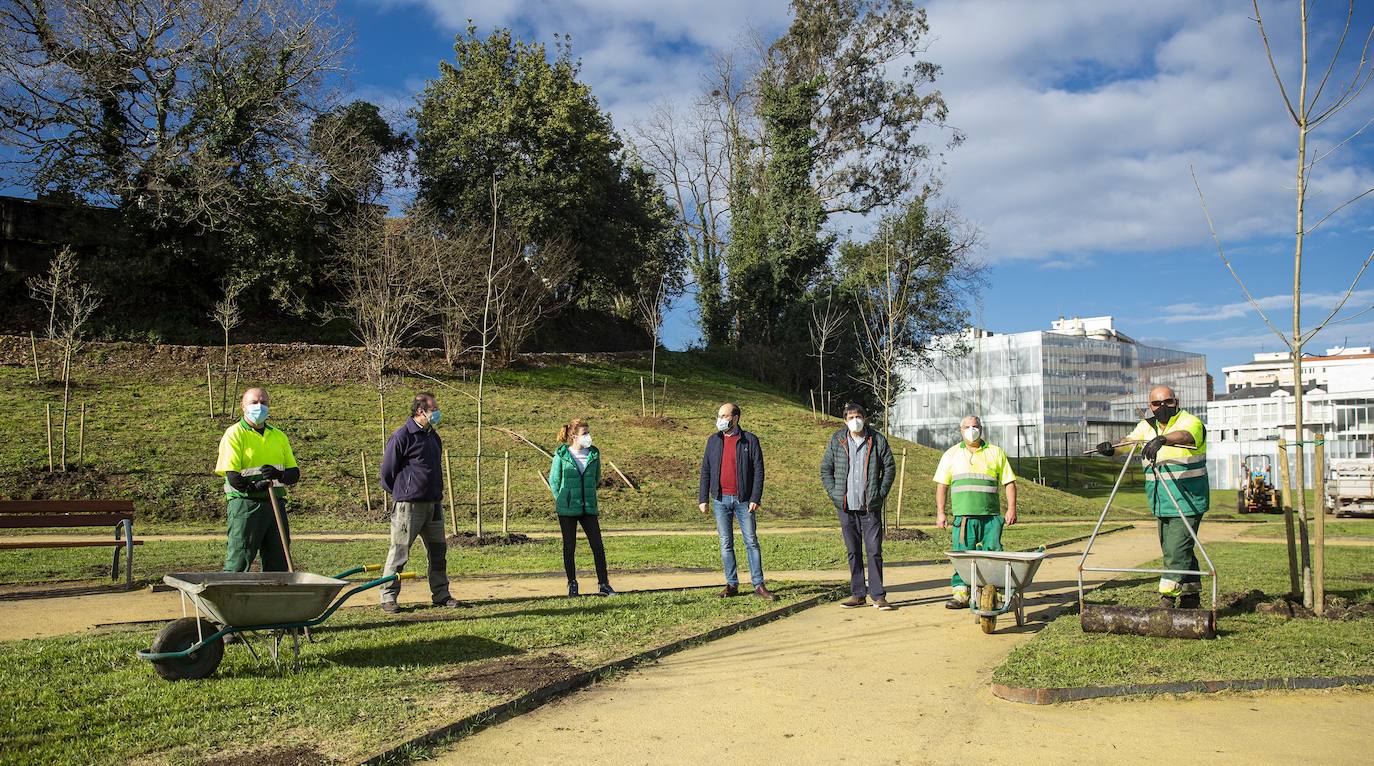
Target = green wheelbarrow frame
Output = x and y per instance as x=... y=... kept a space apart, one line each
x=207 y=650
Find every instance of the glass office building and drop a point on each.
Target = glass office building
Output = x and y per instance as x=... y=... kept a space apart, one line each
x=1043 y=393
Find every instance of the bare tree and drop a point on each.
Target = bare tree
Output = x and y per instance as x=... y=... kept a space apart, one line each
x=70 y=302
x=650 y=307
x=1308 y=114
x=183 y=109
x=457 y=258
x=908 y=286
x=227 y=315
x=381 y=268
x=823 y=327
x=527 y=283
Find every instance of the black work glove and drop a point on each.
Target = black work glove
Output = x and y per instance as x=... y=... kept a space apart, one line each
x=1152 y=447
x=1105 y=449
x=270 y=472
x=260 y=486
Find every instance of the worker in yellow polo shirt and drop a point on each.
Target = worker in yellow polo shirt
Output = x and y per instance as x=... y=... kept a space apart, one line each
x=969 y=475
x=254 y=459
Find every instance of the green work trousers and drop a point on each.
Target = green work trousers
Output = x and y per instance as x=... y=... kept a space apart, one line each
x=253 y=530
x=975 y=533
x=1177 y=546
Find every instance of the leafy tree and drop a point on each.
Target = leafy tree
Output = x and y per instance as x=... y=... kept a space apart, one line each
x=777 y=249
x=909 y=286
x=875 y=100
x=504 y=109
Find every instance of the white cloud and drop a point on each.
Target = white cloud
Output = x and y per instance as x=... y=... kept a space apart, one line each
x=1322 y=302
x=1083 y=119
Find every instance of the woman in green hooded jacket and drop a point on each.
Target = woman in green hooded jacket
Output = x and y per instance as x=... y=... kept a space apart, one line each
x=573 y=478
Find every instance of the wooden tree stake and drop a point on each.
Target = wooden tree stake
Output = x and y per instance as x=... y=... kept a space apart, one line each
x=48 y=409
x=367 y=484
x=452 y=498
x=901 y=488
x=33 y=347
x=643 y=401
x=66 y=400
x=209 y=390
x=505 y=495
x=81 y=440
x=1287 y=502
x=622 y=476
x=1319 y=554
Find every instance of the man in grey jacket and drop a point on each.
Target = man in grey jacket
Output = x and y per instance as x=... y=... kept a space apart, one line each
x=857 y=471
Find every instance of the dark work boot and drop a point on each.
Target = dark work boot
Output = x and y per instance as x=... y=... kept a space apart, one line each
x=572 y=587
x=1190 y=601
x=1168 y=602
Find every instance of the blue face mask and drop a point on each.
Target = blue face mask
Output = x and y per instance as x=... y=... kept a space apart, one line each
x=434 y=418
x=255 y=414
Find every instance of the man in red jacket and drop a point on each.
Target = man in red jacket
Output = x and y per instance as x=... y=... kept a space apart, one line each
x=732 y=479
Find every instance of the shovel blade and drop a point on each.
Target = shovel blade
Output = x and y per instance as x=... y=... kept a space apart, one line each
x=1158 y=622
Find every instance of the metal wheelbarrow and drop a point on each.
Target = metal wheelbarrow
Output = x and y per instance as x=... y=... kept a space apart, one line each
x=986 y=572
x=226 y=603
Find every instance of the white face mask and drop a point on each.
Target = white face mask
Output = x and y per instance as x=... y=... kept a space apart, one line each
x=722 y=424
x=972 y=434
x=855 y=425
x=584 y=441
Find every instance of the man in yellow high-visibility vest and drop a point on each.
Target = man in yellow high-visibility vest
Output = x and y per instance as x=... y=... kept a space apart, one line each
x=970 y=474
x=1176 y=449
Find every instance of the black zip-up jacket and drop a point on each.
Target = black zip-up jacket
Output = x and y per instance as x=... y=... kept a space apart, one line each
x=748 y=468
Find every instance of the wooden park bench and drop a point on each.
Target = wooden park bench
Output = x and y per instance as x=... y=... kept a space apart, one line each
x=43 y=514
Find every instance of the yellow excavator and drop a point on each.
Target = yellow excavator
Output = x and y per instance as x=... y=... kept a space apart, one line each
x=1257 y=493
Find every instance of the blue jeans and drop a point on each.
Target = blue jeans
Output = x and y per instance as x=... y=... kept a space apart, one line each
x=728 y=508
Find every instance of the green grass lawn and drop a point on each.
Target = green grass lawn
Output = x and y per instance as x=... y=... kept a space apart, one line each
x=1349 y=528
x=367 y=681
x=792 y=551
x=149 y=439
x=1249 y=646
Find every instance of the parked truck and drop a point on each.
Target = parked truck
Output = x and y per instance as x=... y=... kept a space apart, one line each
x=1350 y=486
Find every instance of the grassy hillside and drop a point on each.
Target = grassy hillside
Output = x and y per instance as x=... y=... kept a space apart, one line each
x=149 y=437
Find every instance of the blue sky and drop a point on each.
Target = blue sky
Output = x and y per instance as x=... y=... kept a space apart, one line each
x=1082 y=120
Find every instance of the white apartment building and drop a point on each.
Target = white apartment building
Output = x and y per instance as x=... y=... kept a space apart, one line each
x=1043 y=392
x=1258 y=410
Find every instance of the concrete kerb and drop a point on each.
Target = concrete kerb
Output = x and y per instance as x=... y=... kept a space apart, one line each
x=1040 y=695
x=530 y=700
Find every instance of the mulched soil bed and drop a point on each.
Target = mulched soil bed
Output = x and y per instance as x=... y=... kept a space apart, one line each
x=906 y=533
x=281 y=756
x=471 y=540
x=513 y=674
x=1290 y=607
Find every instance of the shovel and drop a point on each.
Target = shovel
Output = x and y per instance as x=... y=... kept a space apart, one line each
x=1159 y=622
x=281 y=535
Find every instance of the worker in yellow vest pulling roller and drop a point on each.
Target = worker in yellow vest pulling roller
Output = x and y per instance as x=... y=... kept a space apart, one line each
x=970 y=474
x=1176 y=449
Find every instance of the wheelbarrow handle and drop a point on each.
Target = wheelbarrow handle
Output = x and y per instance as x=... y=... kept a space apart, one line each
x=356 y=570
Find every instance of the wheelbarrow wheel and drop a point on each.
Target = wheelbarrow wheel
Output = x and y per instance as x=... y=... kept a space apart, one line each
x=182 y=634
x=987 y=601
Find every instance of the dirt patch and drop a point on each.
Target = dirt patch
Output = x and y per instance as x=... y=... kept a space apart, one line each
x=819 y=423
x=277 y=756
x=296 y=363
x=1290 y=607
x=661 y=468
x=471 y=540
x=518 y=674
x=907 y=533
